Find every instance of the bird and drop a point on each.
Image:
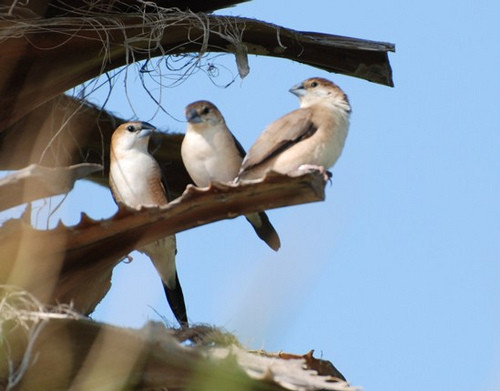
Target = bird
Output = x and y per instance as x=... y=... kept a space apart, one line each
x=309 y=138
x=211 y=153
x=135 y=180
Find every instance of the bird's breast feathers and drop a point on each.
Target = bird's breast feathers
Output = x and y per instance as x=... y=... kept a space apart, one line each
x=210 y=157
x=136 y=179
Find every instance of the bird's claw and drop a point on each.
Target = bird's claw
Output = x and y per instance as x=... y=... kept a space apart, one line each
x=327 y=175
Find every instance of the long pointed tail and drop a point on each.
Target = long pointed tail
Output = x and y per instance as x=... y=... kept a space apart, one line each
x=162 y=253
x=264 y=229
x=175 y=299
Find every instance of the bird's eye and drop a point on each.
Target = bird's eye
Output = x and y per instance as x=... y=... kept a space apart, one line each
x=314 y=84
x=206 y=110
x=131 y=128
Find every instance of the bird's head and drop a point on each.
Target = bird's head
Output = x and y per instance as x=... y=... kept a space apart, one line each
x=203 y=112
x=132 y=135
x=318 y=90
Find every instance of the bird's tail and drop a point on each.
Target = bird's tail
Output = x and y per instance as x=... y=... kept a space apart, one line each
x=264 y=229
x=162 y=253
x=175 y=299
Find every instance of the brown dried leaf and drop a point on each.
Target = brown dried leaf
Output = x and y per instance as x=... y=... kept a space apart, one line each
x=42 y=58
x=81 y=354
x=34 y=182
x=69 y=131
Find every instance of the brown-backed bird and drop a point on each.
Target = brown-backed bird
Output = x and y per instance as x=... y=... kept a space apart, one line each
x=136 y=180
x=311 y=137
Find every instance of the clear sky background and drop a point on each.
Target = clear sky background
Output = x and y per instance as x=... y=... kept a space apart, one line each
x=395 y=277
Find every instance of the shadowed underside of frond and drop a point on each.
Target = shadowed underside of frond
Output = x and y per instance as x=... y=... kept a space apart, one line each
x=42 y=58
x=54 y=348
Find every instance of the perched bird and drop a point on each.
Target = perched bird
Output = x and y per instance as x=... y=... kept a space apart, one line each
x=211 y=153
x=135 y=179
x=311 y=137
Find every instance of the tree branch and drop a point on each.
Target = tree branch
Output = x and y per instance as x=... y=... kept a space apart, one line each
x=69 y=131
x=74 y=264
x=42 y=58
x=81 y=354
x=34 y=182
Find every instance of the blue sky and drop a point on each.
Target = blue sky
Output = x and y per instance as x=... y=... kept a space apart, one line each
x=395 y=277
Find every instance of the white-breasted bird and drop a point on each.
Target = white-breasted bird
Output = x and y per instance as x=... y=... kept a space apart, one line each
x=312 y=136
x=211 y=153
x=136 y=180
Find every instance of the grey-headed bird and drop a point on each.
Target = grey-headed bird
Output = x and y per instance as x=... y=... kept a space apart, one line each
x=311 y=137
x=211 y=153
x=136 y=180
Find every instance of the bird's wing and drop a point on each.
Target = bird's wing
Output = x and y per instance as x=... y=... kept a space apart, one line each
x=279 y=136
x=114 y=190
x=158 y=186
x=239 y=147
x=164 y=184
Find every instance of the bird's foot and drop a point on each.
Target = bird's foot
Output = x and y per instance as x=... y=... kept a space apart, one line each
x=327 y=175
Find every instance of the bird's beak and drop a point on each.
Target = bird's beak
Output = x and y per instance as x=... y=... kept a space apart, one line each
x=298 y=90
x=193 y=116
x=146 y=129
